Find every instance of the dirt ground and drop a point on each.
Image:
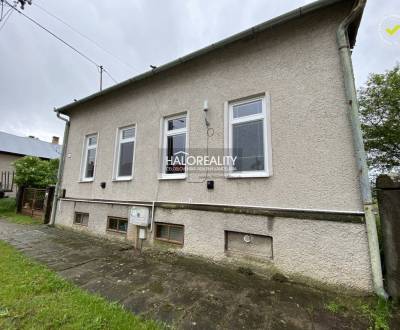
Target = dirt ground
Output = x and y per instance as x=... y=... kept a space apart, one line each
x=184 y=292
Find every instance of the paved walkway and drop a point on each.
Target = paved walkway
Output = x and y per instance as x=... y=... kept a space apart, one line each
x=187 y=293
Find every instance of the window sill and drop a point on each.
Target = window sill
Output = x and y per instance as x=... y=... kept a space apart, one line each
x=85 y=181
x=130 y=178
x=79 y=224
x=172 y=176
x=168 y=241
x=247 y=175
x=116 y=231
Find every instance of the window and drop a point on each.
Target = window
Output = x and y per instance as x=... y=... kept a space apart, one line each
x=169 y=233
x=119 y=225
x=81 y=218
x=249 y=138
x=124 y=153
x=89 y=156
x=174 y=147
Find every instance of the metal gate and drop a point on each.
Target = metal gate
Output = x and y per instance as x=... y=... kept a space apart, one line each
x=33 y=202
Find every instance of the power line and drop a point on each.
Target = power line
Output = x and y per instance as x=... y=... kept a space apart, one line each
x=5 y=18
x=98 y=66
x=82 y=35
x=108 y=73
x=54 y=35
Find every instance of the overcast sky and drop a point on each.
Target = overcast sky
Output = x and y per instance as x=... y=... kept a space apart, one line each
x=38 y=73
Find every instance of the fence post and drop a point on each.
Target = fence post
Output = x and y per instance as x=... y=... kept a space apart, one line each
x=20 y=198
x=388 y=188
x=48 y=204
x=2 y=194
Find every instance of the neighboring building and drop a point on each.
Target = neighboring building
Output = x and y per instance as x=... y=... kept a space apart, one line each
x=13 y=147
x=276 y=101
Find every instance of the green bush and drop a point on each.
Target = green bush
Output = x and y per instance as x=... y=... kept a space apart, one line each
x=34 y=172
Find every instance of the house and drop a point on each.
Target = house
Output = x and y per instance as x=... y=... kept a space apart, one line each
x=14 y=147
x=269 y=109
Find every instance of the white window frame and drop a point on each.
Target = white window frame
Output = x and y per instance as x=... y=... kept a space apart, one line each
x=86 y=147
x=230 y=121
x=165 y=133
x=119 y=140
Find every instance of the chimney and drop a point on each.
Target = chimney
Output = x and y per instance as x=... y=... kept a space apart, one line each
x=55 y=140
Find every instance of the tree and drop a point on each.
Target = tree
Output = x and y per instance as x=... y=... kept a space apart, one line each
x=380 y=119
x=34 y=172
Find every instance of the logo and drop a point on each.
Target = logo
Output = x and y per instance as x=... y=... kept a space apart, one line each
x=390 y=29
x=200 y=163
x=184 y=158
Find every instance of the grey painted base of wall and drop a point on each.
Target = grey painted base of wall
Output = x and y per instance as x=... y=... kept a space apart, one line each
x=332 y=252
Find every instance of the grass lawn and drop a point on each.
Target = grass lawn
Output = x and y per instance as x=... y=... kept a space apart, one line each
x=376 y=310
x=33 y=297
x=7 y=211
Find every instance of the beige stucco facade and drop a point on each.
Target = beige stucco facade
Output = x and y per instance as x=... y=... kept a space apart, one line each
x=312 y=152
x=297 y=66
x=330 y=252
x=6 y=161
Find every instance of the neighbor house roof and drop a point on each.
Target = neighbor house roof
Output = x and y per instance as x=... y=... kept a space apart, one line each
x=27 y=146
x=299 y=12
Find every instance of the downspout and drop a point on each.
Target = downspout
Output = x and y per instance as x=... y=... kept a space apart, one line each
x=60 y=169
x=351 y=95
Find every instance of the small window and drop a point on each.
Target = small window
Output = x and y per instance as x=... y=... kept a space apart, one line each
x=249 y=138
x=247 y=109
x=125 y=153
x=89 y=157
x=81 y=218
x=169 y=233
x=174 y=147
x=119 y=225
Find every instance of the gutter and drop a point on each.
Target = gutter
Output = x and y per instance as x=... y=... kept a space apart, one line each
x=22 y=155
x=351 y=95
x=299 y=12
x=60 y=169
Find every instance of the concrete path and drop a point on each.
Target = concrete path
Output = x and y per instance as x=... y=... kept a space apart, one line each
x=187 y=293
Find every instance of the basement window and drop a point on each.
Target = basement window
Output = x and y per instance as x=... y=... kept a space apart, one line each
x=81 y=219
x=170 y=233
x=119 y=225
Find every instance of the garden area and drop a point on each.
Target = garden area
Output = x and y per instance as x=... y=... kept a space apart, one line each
x=8 y=212
x=33 y=297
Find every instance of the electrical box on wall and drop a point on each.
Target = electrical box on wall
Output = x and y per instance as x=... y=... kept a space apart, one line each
x=142 y=233
x=139 y=216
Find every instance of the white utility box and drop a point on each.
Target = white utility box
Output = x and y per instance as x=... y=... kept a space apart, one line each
x=142 y=233
x=139 y=216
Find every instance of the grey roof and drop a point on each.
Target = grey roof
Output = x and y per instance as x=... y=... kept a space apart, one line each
x=301 y=11
x=28 y=146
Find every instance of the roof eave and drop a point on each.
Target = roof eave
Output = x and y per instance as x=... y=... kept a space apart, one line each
x=246 y=33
